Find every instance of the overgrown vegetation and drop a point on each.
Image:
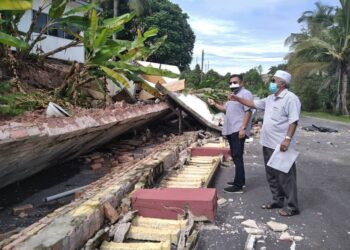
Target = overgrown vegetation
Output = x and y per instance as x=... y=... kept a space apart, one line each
x=105 y=56
x=320 y=57
x=170 y=21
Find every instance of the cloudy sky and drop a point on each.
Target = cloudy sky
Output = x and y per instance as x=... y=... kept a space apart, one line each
x=238 y=35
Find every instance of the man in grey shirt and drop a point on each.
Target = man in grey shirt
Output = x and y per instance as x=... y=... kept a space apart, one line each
x=282 y=111
x=236 y=128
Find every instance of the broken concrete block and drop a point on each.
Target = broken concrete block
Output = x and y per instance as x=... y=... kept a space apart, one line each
x=238 y=217
x=221 y=201
x=287 y=237
x=250 y=242
x=254 y=231
x=110 y=212
x=250 y=223
x=277 y=227
x=121 y=232
x=22 y=209
x=297 y=238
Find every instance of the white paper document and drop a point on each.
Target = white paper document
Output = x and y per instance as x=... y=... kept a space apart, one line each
x=283 y=161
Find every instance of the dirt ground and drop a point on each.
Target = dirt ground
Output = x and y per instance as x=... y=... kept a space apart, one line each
x=323 y=172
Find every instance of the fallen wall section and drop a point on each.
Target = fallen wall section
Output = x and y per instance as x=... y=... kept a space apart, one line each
x=29 y=147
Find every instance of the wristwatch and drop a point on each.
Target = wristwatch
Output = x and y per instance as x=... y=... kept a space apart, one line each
x=288 y=138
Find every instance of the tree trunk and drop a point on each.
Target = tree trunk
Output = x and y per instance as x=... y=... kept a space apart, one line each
x=344 y=90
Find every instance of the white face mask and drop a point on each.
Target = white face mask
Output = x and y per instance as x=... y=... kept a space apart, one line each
x=234 y=86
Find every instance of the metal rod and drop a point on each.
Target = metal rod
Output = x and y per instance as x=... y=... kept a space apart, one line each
x=60 y=195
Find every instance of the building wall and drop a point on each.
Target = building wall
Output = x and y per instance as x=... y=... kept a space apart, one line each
x=52 y=42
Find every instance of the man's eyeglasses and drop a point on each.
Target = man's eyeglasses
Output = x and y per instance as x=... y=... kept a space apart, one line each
x=233 y=82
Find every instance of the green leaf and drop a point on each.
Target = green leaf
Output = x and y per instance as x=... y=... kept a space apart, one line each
x=144 y=70
x=103 y=55
x=57 y=8
x=151 y=32
x=100 y=39
x=16 y=4
x=79 y=22
x=12 y=41
x=117 y=22
x=116 y=76
x=72 y=33
x=81 y=9
x=93 y=27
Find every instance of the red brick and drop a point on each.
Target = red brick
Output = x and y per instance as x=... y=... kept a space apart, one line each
x=110 y=212
x=210 y=151
x=115 y=163
x=168 y=203
x=78 y=194
x=99 y=160
x=125 y=158
x=19 y=133
x=96 y=166
x=22 y=209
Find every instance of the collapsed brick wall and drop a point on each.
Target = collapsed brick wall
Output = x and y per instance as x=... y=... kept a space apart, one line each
x=28 y=147
x=71 y=226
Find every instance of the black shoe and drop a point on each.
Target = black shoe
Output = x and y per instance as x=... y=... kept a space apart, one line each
x=233 y=189
x=231 y=183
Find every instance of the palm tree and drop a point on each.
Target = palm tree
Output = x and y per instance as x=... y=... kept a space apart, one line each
x=323 y=45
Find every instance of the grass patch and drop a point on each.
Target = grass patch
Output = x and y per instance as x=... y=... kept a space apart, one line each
x=327 y=116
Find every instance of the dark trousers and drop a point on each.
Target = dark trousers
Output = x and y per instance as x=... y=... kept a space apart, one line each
x=237 y=150
x=283 y=186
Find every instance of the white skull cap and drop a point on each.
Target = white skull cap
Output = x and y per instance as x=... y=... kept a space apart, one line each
x=284 y=75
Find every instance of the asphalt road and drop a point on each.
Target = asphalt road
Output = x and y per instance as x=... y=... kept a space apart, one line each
x=323 y=173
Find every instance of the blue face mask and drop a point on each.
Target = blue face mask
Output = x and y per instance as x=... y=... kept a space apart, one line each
x=273 y=87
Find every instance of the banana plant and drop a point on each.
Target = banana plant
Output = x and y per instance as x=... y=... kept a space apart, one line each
x=105 y=56
x=11 y=13
x=16 y=4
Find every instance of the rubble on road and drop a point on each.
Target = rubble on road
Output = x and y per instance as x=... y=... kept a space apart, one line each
x=277 y=227
x=250 y=224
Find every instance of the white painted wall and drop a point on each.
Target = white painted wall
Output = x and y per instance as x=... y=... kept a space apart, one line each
x=52 y=42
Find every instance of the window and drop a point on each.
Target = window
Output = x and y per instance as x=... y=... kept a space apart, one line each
x=42 y=21
x=55 y=30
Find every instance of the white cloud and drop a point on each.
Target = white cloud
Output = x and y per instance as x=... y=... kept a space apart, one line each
x=212 y=27
x=226 y=47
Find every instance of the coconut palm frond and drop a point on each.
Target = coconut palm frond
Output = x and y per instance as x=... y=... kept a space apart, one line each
x=308 y=68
